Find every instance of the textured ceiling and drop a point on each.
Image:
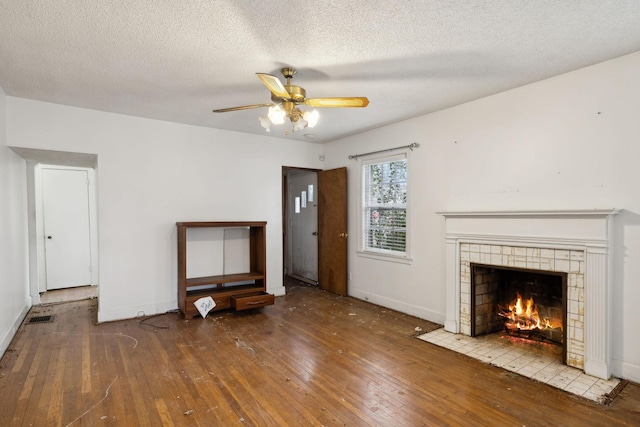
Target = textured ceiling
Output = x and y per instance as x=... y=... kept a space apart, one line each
x=176 y=60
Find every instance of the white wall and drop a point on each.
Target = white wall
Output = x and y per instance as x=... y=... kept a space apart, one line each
x=14 y=286
x=572 y=141
x=151 y=174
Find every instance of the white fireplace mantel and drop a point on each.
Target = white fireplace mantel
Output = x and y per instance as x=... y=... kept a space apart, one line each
x=587 y=233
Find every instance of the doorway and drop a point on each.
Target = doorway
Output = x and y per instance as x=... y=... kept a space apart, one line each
x=66 y=231
x=301 y=224
x=35 y=160
x=314 y=206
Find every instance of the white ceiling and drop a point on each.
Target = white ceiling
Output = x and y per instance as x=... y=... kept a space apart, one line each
x=176 y=60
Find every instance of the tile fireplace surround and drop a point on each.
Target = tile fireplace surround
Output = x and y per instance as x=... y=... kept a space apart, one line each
x=576 y=242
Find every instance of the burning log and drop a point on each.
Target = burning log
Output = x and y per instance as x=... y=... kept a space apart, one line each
x=522 y=320
x=554 y=335
x=517 y=321
x=504 y=311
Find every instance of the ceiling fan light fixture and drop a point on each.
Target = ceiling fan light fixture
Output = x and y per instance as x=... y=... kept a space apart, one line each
x=311 y=117
x=265 y=123
x=276 y=115
x=299 y=125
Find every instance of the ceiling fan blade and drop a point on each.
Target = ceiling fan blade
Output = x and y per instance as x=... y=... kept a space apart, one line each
x=274 y=85
x=244 y=107
x=355 y=102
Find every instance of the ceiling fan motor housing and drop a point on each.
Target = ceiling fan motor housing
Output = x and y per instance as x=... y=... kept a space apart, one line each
x=297 y=94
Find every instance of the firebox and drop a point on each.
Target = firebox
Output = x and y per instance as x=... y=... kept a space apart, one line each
x=527 y=304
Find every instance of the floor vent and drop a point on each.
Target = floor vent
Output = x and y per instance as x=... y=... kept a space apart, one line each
x=41 y=319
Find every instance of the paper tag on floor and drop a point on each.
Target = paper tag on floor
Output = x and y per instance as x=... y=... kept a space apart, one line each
x=204 y=305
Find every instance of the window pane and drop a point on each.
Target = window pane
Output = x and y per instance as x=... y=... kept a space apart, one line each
x=384 y=206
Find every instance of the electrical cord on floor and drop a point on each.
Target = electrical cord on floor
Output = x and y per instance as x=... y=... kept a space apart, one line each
x=144 y=321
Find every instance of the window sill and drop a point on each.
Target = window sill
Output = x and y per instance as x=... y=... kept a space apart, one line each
x=383 y=257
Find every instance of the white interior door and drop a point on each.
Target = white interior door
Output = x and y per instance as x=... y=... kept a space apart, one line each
x=65 y=198
x=303 y=224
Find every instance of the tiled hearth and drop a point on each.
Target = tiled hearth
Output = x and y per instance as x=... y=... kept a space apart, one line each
x=576 y=243
x=538 y=361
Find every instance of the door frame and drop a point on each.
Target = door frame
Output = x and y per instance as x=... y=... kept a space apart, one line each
x=39 y=217
x=326 y=231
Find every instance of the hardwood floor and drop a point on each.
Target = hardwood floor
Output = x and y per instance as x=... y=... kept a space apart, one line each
x=313 y=358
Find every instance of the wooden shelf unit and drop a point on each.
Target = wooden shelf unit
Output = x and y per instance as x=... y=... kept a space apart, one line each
x=239 y=297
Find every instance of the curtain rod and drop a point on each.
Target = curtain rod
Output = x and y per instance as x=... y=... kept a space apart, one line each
x=410 y=147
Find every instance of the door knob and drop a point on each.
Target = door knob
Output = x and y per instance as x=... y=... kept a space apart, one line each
x=48 y=237
x=343 y=235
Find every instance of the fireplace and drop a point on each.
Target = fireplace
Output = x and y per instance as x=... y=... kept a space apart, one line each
x=573 y=247
x=527 y=304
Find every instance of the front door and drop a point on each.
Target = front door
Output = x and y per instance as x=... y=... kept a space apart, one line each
x=65 y=198
x=332 y=230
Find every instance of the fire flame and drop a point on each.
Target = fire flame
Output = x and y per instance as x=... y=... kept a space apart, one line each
x=524 y=314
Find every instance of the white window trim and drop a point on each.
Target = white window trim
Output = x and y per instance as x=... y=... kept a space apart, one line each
x=378 y=255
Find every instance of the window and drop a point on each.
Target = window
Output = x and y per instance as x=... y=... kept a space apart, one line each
x=384 y=213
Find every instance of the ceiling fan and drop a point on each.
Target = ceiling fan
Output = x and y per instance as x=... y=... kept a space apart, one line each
x=286 y=99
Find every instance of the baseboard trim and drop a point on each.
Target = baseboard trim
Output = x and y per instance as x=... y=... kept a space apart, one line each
x=132 y=312
x=8 y=335
x=413 y=310
x=627 y=371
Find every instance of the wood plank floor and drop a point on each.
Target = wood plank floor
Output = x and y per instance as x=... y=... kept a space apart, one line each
x=312 y=359
x=69 y=294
